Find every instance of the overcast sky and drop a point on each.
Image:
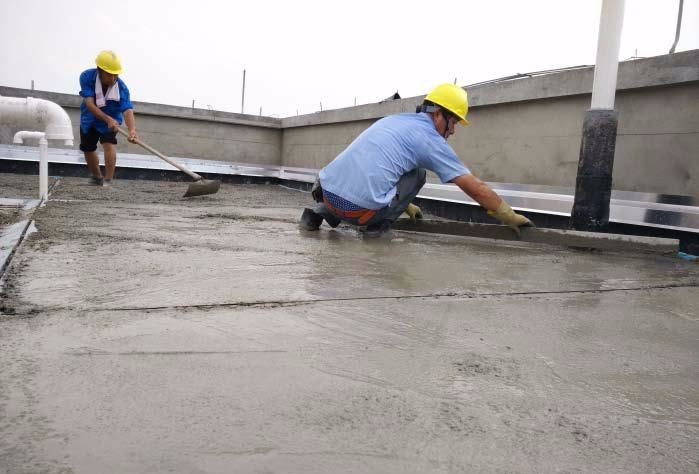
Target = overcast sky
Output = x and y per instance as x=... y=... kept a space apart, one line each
x=300 y=53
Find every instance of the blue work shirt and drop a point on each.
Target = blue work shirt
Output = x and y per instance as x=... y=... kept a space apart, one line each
x=367 y=171
x=112 y=108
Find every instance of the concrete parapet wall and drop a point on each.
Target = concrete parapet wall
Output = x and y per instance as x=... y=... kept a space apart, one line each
x=181 y=131
x=523 y=130
x=528 y=130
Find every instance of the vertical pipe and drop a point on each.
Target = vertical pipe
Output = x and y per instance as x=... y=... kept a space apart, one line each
x=242 y=103
x=607 y=64
x=593 y=185
x=679 y=26
x=43 y=169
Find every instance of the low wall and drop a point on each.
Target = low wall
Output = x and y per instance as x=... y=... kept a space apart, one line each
x=525 y=130
x=181 y=131
x=528 y=130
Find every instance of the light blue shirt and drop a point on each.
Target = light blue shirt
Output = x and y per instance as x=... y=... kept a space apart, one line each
x=367 y=171
x=112 y=108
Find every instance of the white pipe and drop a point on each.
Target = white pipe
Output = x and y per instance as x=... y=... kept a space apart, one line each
x=43 y=169
x=23 y=135
x=37 y=113
x=43 y=159
x=607 y=64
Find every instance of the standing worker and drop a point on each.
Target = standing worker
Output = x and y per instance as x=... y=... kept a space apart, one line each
x=373 y=181
x=106 y=98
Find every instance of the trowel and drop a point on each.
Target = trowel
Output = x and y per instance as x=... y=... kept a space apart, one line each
x=199 y=187
x=558 y=237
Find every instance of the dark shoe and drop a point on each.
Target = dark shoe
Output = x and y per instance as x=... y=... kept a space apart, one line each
x=378 y=229
x=332 y=221
x=310 y=220
x=94 y=181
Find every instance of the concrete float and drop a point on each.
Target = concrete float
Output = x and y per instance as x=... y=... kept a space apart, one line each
x=556 y=237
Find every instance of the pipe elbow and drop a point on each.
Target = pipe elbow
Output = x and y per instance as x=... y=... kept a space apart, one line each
x=55 y=120
x=24 y=134
x=39 y=114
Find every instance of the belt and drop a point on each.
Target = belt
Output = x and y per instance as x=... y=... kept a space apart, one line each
x=362 y=215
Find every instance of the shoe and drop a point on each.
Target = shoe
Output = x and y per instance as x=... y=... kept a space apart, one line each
x=310 y=220
x=106 y=183
x=94 y=181
x=378 y=229
x=332 y=221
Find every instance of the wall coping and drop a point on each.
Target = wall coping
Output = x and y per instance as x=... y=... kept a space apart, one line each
x=657 y=71
x=150 y=108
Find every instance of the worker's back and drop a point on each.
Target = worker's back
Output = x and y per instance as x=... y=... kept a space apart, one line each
x=367 y=171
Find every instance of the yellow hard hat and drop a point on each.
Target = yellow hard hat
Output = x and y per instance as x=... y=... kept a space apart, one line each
x=108 y=61
x=451 y=97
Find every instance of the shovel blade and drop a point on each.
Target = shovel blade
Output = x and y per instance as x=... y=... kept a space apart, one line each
x=202 y=187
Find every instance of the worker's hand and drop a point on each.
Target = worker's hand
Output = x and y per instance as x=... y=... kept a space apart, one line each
x=133 y=136
x=112 y=125
x=413 y=212
x=507 y=216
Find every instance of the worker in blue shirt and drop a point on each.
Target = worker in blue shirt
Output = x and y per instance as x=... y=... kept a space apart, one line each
x=373 y=181
x=106 y=103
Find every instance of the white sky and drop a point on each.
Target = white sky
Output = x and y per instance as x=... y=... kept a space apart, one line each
x=300 y=53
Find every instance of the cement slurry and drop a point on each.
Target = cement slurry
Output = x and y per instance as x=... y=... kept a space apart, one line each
x=141 y=332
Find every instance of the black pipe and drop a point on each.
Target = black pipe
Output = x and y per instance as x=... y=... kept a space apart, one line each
x=593 y=186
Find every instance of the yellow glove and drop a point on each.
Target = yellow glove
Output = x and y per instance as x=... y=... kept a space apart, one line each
x=413 y=212
x=507 y=216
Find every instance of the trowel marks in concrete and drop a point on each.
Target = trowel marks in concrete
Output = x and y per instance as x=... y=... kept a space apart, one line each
x=153 y=335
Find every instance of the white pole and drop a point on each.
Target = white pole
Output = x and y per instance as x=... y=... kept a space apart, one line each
x=242 y=100
x=43 y=158
x=43 y=169
x=607 y=65
x=677 y=30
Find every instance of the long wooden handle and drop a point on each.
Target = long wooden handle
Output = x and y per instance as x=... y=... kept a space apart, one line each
x=180 y=167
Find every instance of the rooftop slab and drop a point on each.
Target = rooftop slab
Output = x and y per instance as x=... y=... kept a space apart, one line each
x=141 y=332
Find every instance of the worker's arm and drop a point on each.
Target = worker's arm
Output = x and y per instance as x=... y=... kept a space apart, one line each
x=478 y=191
x=112 y=124
x=130 y=124
x=494 y=204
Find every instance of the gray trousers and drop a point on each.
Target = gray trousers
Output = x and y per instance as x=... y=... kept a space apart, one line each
x=407 y=188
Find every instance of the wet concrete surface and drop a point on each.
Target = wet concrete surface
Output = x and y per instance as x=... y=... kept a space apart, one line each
x=141 y=332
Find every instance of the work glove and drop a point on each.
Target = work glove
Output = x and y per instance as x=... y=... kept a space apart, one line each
x=507 y=216
x=413 y=212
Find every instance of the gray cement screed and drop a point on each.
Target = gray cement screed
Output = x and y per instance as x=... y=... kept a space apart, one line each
x=145 y=333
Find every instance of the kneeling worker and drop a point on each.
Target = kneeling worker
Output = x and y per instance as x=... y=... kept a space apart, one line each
x=105 y=100
x=373 y=181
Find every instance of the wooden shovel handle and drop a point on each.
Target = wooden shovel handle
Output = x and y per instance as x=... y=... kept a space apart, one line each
x=180 y=167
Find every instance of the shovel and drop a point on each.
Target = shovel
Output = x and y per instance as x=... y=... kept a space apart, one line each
x=199 y=187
